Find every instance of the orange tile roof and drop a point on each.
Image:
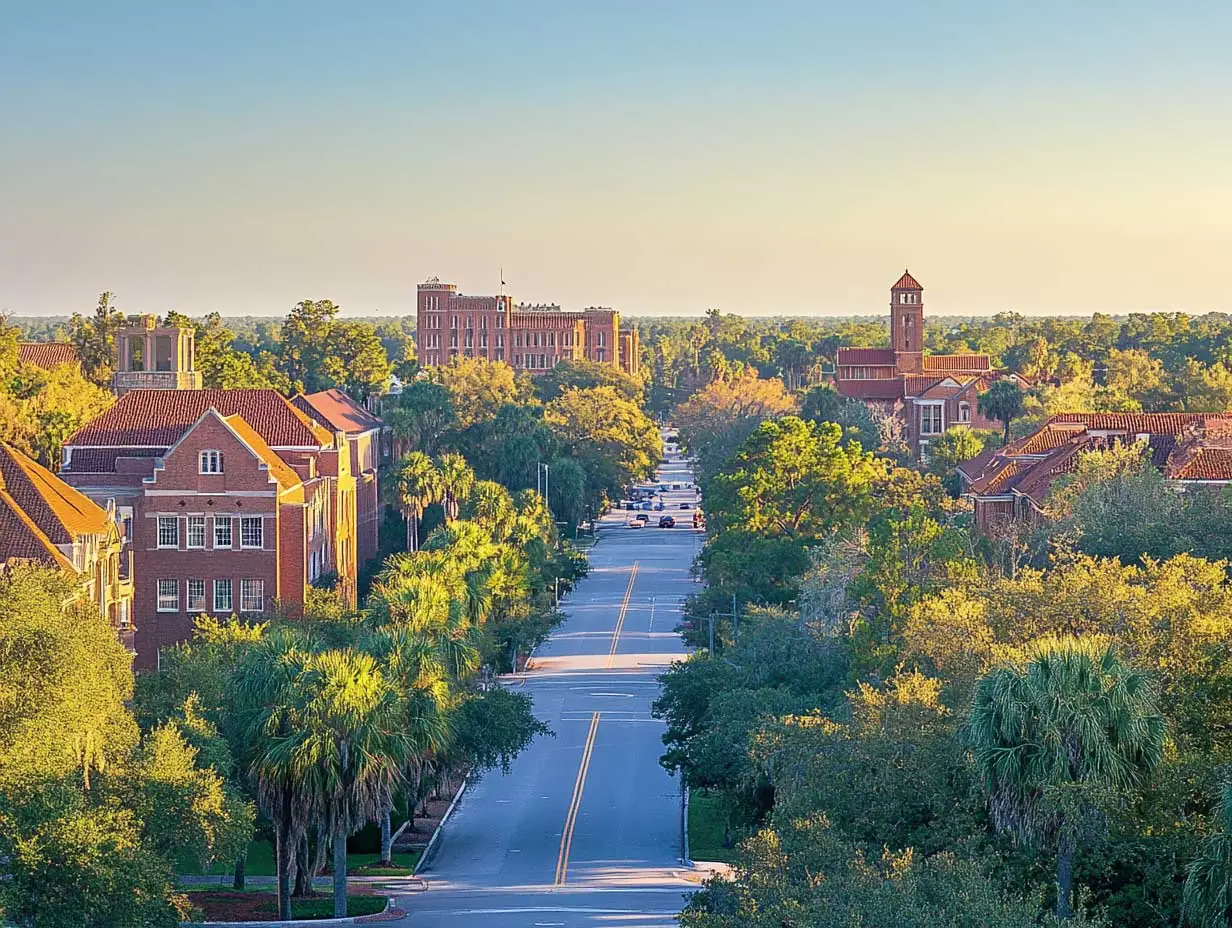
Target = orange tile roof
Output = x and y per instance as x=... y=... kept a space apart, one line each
x=21 y=541
x=335 y=410
x=1204 y=464
x=47 y=354
x=907 y=282
x=869 y=356
x=1158 y=423
x=958 y=363
x=60 y=512
x=158 y=418
x=918 y=384
x=1044 y=440
x=279 y=469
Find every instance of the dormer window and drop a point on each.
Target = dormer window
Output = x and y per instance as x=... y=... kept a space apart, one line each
x=210 y=462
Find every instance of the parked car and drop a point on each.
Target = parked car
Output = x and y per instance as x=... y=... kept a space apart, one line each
x=658 y=507
x=685 y=506
x=667 y=522
x=648 y=505
x=636 y=523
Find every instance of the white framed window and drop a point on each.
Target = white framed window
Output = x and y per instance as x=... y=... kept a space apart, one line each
x=168 y=595
x=168 y=531
x=194 y=595
x=124 y=517
x=194 y=536
x=252 y=596
x=923 y=452
x=222 y=531
x=252 y=532
x=931 y=419
x=222 y=596
x=210 y=462
x=964 y=412
x=907 y=299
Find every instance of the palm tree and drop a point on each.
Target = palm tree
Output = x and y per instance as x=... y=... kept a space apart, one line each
x=417 y=484
x=1207 y=900
x=1003 y=402
x=347 y=749
x=1051 y=735
x=457 y=479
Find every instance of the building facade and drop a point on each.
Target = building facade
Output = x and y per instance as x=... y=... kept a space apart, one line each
x=44 y=521
x=232 y=501
x=929 y=393
x=527 y=337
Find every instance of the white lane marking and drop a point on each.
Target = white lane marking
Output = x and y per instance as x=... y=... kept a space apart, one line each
x=623 y=695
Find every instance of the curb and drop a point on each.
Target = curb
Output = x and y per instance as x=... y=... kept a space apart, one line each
x=431 y=846
x=389 y=913
x=685 y=860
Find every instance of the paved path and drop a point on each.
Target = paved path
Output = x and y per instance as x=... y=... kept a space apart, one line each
x=585 y=829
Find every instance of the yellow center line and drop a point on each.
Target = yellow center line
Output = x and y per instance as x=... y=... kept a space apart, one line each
x=566 y=837
x=620 y=619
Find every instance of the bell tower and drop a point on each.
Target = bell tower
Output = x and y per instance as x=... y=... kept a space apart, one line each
x=154 y=357
x=907 y=324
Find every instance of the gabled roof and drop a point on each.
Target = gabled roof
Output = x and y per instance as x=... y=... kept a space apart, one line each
x=47 y=354
x=958 y=363
x=868 y=356
x=279 y=469
x=60 y=512
x=158 y=418
x=907 y=282
x=22 y=541
x=889 y=388
x=337 y=411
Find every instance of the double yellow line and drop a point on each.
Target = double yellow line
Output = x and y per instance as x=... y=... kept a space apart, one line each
x=620 y=619
x=566 y=838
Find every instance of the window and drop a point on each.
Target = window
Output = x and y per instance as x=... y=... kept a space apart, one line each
x=222 y=531
x=500 y=341
x=599 y=339
x=252 y=532
x=453 y=322
x=194 y=595
x=211 y=462
x=168 y=532
x=196 y=532
x=483 y=322
x=222 y=596
x=964 y=412
x=543 y=361
x=168 y=595
x=923 y=452
x=124 y=516
x=907 y=299
x=500 y=322
x=252 y=596
x=930 y=419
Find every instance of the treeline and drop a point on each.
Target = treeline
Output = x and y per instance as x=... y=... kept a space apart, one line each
x=905 y=724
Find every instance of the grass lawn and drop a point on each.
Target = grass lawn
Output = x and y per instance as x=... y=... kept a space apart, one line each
x=254 y=905
x=261 y=863
x=706 y=817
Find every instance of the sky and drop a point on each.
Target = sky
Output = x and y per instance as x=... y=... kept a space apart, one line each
x=765 y=157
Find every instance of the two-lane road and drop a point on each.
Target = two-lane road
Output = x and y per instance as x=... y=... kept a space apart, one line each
x=585 y=829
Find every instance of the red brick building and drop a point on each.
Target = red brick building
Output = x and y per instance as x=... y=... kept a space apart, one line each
x=929 y=393
x=366 y=438
x=527 y=337
x=231 y=501
x=1012 y=483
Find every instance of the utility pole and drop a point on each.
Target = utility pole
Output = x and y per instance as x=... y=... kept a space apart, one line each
x=712 y=636
x=735 y=620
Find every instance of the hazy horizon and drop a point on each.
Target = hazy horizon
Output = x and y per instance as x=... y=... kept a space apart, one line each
x=778 y=159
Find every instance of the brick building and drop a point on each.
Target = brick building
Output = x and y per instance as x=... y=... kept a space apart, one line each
x=231 y=500
x=929 y=393
x=1011 y=484
x=369 y=444
x=45 y=521
x=527 y=337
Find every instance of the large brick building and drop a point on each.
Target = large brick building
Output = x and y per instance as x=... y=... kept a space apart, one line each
x=928 y=392
x=231 y=501
x=527 y=337
x=45 y=522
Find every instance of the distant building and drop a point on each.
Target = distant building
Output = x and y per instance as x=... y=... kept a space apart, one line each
x=154 y=357
x=45 y=521
x=366 y=437
x=929 y=393
x=47 y=355
x=1011 y=484
x=231 y=500
x=527 y=337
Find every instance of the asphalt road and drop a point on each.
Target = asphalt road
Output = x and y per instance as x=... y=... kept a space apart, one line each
x=585 y=828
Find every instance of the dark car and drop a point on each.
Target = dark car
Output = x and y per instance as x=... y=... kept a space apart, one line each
x=684 y=505
x=667 y=522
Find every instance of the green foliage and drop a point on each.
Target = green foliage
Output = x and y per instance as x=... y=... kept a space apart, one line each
x=317 y=350
x=824 y=404
x=94 y=339
x=957 y=445
x=717 y=419
x=1002 y=401
x=581 y=374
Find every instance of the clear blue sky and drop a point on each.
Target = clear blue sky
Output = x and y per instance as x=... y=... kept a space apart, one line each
x=658 y=157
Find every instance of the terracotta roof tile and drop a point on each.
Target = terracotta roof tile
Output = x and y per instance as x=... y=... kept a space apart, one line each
x=158 y=418
x=21 y=541
x=47 y=354
x=335 y=410
x=907 y=282
x=1046 y=439
x=918 y=384
x=103 y=460
x=1205 y=464
x=60 y=512
x=958 y=363
x=869 y=356
x=1158 y=423
x=887 y=389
